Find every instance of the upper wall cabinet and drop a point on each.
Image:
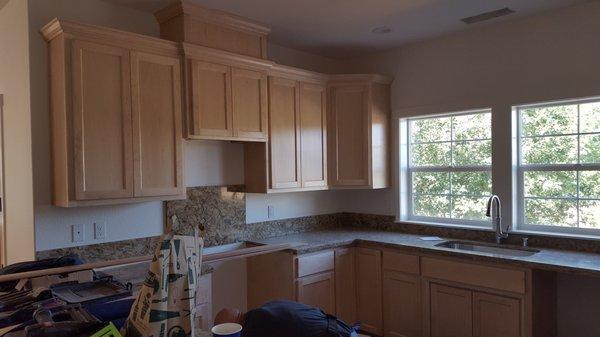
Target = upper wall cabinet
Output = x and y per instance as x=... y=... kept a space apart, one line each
x=226 y=95
x=359 y=131
x=296 y=152
x=116 y=116
x=186 y=22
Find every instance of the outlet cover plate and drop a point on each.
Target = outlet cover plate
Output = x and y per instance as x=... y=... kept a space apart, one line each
x=99 y=230
x=77 y=233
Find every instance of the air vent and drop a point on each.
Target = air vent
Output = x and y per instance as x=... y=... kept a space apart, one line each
x=487 y=16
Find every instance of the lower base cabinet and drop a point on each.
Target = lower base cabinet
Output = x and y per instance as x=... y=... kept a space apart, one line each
x=397 y=294
x=317 y=291
x=496 y=316
x=401 y=305
x=369 y=290
x=451 y=311
x=457 y=312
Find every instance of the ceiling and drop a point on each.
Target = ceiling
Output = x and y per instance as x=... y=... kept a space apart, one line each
x=342 y=28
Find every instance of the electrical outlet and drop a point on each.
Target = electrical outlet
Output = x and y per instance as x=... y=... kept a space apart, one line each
x=270 y=211
x=77 y=233
x=99 y=230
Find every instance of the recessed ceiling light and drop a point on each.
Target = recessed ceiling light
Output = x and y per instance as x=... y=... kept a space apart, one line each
x=381 y=30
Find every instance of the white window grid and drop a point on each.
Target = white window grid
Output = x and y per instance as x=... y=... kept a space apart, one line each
x=444 y=169
x=577 y=167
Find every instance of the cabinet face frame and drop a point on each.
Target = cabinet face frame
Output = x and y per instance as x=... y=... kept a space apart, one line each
x=335 y=114
x=81 y=192
x=177 y=161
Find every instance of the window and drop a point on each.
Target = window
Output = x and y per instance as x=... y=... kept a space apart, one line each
x=558 y=174
x=448 y=168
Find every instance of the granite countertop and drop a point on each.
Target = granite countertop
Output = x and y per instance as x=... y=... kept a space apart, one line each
x=547 y=259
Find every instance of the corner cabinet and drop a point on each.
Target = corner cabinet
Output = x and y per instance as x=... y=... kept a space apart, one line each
x=359 y=131
x=226 y=95
x=116 y=116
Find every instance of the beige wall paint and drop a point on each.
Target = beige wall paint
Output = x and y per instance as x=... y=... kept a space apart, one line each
x=296 y=58
x=14 y=84
x=549 y=56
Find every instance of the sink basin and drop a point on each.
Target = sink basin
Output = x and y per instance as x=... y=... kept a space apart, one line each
x=488 y=248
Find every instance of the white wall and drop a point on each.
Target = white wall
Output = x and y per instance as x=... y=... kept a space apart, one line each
x=14 y=85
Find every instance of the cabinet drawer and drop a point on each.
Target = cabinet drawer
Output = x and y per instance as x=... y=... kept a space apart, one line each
x=314 y=263
x=401 y=262
x=474 y=274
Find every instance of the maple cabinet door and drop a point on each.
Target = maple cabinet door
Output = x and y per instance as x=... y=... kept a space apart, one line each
x=317 y=291
x=284 y=133
x=156 y=101
x=102 y=139
x=451 y=311
x=313 y=135
x=210 y=98
x=401 y=304
x=249 y=95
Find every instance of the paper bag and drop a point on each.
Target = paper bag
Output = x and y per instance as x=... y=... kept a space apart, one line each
x=166 y=303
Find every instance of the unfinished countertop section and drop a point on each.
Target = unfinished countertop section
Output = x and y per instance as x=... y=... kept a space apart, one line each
x=547 y=259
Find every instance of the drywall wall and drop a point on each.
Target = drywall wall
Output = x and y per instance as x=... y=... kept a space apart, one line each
x=296 y=58
x=14 y=85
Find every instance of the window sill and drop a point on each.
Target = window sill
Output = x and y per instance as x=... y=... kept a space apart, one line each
x=446 y=225
x=555 y=235
x=521 y=232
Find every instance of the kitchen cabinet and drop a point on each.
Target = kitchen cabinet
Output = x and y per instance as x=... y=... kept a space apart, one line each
x=226 y=96
x=402 y=308
x=108 y=90
x=451 y=313
x=345 y=284
x=406 y=294
x=496 y=316
x=369 y=290
x=317 y=291
x=359 y=131
x=156 y=110
x=296 y=154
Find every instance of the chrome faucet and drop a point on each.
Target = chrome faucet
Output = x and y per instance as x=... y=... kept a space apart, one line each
x=494 y=200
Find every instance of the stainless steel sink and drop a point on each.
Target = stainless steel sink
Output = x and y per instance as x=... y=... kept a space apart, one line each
x=488 y=248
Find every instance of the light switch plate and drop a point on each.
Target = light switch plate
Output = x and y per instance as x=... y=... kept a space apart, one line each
x=99 y=230
x=77 y=233
x=270 y=211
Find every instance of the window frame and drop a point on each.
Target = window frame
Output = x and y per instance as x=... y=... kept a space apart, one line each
x=407 y=212
x=520 y=169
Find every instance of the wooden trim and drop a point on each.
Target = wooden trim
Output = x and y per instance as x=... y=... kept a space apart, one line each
x=361 y=78
x=214 y=16
x=117 y=201
x=224 y=57
x=488 y=276
x=212 y=258
x=2 y=183
x=109 y=36
x=298 y=74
